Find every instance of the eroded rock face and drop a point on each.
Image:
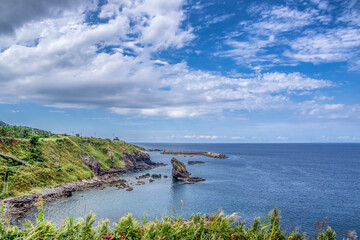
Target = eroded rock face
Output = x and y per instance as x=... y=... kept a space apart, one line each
x=138 y=161
x=91 y=163
x=179 y=170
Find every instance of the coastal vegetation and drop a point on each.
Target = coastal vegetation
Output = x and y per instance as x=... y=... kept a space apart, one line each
x=32 y=159
x=198 y=226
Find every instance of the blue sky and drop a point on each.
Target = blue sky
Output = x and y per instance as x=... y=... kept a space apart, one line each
x=183 y=71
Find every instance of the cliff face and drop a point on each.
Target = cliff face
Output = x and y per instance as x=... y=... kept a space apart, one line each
x=137 y=161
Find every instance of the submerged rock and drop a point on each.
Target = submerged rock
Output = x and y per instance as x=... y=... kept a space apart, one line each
x=156 y=176
x=179 y=170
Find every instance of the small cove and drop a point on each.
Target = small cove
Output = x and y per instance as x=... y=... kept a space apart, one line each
x=306 y=181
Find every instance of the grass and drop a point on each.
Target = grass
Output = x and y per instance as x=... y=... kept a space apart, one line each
x=198 y=226
x=60 y=161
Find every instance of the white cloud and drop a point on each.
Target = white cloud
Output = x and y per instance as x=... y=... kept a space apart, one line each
x=218 y=19
x=73 y=64
x=334 y=45
x=286 y=35
x=331 y=111
x=238 y=137
x=16 y=13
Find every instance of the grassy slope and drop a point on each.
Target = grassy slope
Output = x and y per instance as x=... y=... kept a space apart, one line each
x=62 y=163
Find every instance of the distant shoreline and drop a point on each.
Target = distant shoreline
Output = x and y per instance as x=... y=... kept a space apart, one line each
x=208 y=154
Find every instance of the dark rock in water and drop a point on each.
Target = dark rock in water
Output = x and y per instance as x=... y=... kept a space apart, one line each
x=165 y=176
x=68 y=193
x=151 y=180
x=140 y=183
x=129 y=189
x=92 y=163
x=195 y=162
x=179 y=170
x=189 y=183
x=195 y=179
x=144 y=176
x=156 y=176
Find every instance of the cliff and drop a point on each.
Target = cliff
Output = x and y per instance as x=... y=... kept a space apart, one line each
x=62 y=159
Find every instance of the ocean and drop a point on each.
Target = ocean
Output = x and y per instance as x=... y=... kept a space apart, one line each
x=307 y=182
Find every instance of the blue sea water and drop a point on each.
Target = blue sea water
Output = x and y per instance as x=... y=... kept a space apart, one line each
x=307 y=182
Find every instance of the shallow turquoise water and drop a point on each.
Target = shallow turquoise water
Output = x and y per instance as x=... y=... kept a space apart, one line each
x=306 y=181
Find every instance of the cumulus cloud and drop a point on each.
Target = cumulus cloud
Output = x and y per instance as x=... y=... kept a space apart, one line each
x=16 y=13
x=67 y=62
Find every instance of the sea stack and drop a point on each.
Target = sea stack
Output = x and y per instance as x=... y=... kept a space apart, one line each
x=179 y=171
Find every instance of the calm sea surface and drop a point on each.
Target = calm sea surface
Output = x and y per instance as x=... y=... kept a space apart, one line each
x=307 y=182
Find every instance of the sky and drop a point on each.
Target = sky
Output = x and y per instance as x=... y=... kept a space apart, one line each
x=183 y=70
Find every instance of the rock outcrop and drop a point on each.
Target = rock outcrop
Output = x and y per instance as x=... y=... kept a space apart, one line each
x=137 y=161
x=195 y=179
x=92 y=163
x=195 y=162
x=179 y=170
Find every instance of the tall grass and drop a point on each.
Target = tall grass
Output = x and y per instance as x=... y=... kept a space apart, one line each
x=198 y=226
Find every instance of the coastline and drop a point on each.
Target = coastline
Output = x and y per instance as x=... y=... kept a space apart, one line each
x=16 y=206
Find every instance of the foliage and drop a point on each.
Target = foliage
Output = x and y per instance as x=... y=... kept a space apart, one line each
x=52 y=159
x=9 y=131
x=198 y=226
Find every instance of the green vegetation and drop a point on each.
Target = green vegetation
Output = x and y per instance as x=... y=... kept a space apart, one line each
x=52 y=159
x=8 y=131
x=198 y=226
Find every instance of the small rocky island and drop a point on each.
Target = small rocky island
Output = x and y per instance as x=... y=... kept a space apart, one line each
x=195 y=162
x=179 y=172
x=208 y=154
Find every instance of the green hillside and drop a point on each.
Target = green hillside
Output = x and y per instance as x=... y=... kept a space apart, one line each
x=52 y=159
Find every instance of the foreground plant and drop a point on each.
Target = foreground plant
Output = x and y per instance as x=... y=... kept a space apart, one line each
x=218 y=226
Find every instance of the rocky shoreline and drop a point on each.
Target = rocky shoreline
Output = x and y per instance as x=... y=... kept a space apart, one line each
x=137 y=162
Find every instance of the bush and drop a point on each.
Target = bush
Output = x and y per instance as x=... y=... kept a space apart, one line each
x=197 y=227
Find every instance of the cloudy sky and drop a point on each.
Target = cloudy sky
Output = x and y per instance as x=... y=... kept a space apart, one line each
x=183 y=71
